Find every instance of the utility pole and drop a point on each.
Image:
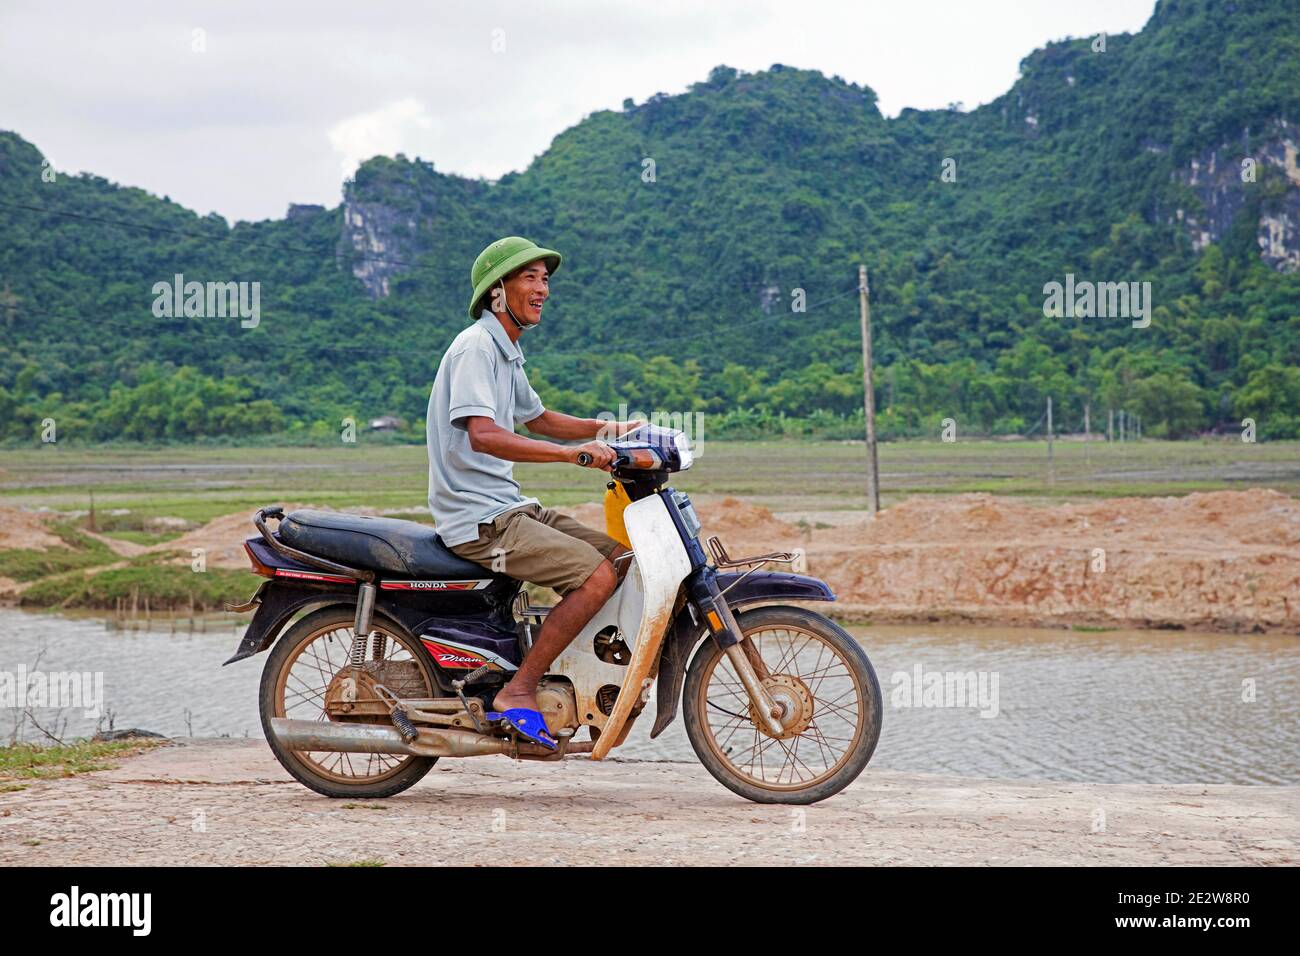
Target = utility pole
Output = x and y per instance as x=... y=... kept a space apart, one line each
x=1087 y=431
x=1051 y=474
x=1110 y=424
x=1121 y=426
x=868 y=393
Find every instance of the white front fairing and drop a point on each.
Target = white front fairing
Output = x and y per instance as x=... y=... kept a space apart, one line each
x=641 y=609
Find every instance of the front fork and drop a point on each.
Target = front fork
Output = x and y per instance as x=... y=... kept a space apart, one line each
x=704 y=591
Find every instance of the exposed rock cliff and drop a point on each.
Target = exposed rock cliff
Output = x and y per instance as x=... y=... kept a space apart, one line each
x=377 y=243
x=1263 y=181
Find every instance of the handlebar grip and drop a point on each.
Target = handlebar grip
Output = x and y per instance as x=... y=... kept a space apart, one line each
x=584 y=459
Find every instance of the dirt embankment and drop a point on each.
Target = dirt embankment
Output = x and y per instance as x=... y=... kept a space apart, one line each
x=228 y=803
x=1226 y=560
x=21 y=530
x=221 y=540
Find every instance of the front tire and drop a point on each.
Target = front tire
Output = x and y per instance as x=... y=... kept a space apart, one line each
x=831 y=708
x=297 y=671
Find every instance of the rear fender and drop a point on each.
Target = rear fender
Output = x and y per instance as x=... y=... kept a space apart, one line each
x=276 y=603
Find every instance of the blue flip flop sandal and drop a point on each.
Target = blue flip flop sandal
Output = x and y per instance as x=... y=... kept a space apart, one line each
x=529 y=723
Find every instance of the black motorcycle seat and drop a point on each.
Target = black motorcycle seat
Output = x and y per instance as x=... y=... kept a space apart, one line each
x=378 y=544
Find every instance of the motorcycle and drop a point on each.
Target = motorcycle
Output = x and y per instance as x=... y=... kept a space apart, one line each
x=386 y=650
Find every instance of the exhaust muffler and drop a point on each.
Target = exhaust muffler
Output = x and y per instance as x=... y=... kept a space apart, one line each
x=341 y=737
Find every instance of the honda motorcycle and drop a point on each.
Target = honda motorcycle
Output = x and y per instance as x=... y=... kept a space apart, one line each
x=386 y=650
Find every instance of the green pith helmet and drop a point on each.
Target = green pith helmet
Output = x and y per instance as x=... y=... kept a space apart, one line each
x=502 y=258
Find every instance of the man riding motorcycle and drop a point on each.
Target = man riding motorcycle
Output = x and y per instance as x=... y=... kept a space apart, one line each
x=389 y=648
x=479 y=395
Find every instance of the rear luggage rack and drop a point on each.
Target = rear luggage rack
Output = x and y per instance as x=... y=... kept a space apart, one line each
x=276 y=512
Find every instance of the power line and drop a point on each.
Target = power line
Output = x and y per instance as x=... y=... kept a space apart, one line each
x=193 y=234
x=1041 y=419
x=158 y=328
x=230 y=235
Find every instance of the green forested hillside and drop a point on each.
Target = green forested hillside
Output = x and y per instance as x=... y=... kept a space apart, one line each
x=1122 y=165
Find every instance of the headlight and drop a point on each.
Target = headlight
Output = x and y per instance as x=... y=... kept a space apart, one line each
x=689 y=518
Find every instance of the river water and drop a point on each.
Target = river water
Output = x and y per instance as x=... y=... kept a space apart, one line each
x=1109 y=707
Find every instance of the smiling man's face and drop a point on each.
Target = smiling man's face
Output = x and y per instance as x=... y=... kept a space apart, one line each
x=527 y=290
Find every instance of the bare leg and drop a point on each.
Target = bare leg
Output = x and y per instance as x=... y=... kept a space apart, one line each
x=562 y=624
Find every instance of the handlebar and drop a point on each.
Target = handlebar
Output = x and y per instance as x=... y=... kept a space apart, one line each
x=637 y=458
x=620 y=458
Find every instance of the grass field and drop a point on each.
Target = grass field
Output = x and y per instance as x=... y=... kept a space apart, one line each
x=197 y=484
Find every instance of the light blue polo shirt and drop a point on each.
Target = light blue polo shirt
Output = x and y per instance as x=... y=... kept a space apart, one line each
x=481 y=373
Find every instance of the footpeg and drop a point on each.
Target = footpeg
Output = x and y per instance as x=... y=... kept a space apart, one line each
x=398 y=714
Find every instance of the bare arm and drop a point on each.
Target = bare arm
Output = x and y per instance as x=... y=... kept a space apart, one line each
x=568 y=428
x=489 y=438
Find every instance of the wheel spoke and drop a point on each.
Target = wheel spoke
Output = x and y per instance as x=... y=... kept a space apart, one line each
x=304 y=684
x=716 y=706
x=806 y=665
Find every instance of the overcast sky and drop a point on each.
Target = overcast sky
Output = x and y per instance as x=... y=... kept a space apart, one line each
x=273 y=103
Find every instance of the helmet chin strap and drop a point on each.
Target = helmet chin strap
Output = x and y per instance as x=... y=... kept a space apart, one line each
x=510 y=312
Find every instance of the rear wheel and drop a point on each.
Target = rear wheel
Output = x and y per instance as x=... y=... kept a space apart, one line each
x=297 y=674
x=829 y=696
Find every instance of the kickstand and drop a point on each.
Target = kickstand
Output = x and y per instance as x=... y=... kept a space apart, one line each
x=459 y=687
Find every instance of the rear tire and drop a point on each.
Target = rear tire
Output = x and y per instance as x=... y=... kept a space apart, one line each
x=319 y=626
x=715 y=709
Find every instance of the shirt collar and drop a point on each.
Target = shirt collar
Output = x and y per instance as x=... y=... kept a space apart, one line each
x=494 y=328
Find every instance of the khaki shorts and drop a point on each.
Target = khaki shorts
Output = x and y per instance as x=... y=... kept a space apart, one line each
x=541 y=546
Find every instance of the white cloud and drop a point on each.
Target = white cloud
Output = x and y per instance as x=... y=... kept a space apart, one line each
x=401 y=127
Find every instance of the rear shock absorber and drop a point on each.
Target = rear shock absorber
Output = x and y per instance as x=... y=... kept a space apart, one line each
x=361 y=630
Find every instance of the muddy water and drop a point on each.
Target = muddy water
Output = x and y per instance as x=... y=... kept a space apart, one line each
x=1113 y=707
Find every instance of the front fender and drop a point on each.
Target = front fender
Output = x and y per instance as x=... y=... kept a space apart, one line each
x=762 y=586
x=686 y=632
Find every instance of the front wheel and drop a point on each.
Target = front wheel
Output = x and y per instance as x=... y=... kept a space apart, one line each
x=829 y=697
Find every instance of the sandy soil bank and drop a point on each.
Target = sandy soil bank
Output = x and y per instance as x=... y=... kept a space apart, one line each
x=25 y=529
x=227 y=802
x=1226 y=560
